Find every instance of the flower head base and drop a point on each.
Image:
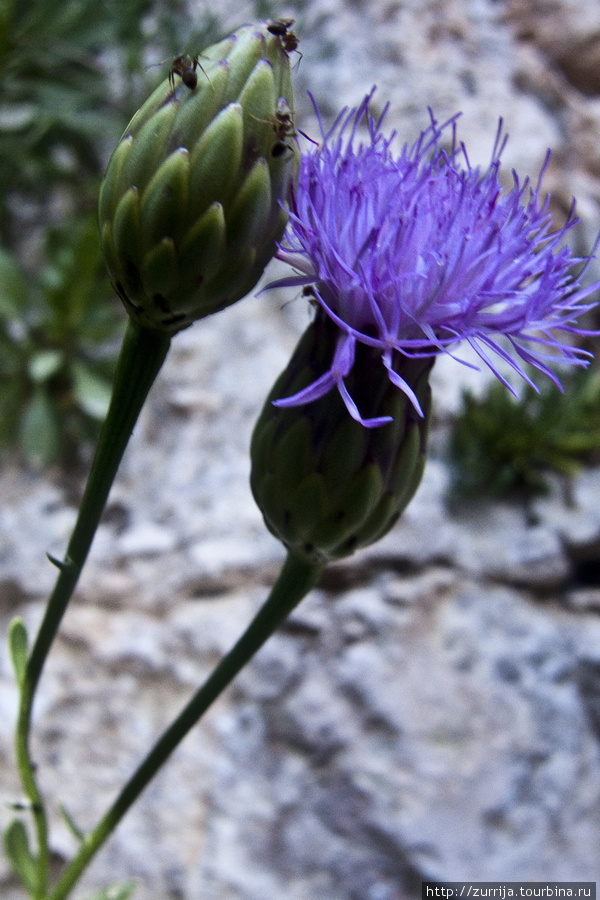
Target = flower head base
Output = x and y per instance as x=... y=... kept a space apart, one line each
x=416 y=252
x=325 y=485
x=192 y=203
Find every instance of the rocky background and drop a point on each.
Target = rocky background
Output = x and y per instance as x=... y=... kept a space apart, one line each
x=432 y=711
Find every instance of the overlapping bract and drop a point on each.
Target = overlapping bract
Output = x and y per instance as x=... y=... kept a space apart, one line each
x=418 y=251
x=192 y=203
x=325 y=485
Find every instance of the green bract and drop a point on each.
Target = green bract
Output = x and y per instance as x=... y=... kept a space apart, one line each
x=190 y=206
x=325 y=484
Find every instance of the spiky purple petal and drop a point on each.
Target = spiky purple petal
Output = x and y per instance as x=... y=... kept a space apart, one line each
x=415 y=252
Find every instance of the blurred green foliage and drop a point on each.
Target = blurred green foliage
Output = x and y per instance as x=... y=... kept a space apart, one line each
x=501 y=446
x=72 y=73
x=57 y=345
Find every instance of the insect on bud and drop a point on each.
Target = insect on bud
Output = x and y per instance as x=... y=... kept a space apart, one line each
x=190 y=207
x=325 y=484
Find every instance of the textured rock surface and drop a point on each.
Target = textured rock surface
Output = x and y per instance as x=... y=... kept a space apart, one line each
x=433 y=710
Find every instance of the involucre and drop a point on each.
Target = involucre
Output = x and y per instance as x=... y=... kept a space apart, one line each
x=191 y=204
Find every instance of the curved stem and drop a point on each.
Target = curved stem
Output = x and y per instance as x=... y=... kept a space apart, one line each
x=295 y=580
x=142 y=355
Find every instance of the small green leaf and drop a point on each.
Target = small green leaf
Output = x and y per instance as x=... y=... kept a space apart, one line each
x=17 y=643
x=45 y=364
x=93 y=393
x=116 y=892
x=40 y=436
x=16 y=844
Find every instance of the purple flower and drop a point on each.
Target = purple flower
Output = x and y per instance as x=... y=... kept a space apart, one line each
x=415 y=252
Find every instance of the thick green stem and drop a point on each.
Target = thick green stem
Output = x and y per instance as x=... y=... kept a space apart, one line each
x=142 y=355
x=295 y=581
x=140 y=361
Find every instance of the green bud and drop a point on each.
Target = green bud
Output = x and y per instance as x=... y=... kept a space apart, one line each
x=325 y=484
x=190 y=206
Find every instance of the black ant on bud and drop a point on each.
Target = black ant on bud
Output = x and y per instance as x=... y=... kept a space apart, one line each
x=281 y=29
x=185 y=67
x=283 y=126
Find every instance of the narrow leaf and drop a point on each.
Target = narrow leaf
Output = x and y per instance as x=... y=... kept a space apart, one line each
x=92 y=392
x=71 y=823
x=17 y=643
x=40 y=438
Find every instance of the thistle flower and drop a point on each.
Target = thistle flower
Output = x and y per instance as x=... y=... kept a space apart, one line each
x=404 y=257
x=412 y=253
x=192 y=203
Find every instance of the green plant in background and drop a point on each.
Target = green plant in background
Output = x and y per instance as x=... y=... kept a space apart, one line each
x=55 y=101
x=58 y=342
x=71 y=74
x=500 y=445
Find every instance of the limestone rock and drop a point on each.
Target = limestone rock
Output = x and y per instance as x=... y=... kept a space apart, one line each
x=433 y=709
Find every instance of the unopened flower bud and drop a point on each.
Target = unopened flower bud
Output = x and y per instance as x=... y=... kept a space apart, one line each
x=190 y=206
x=326 y=484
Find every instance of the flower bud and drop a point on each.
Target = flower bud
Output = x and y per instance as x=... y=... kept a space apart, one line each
x=325 y=484
x=190 y=207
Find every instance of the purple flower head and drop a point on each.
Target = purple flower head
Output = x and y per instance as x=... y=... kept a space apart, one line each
x=415 y=252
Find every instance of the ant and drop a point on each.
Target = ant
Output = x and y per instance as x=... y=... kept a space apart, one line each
x=281 y=29
x=185 y=67
x=283 y=127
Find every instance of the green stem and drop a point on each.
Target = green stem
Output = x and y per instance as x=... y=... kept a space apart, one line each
x=142 y=355
x=295 y=580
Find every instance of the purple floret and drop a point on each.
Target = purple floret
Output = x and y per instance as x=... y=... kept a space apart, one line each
x=414 y=252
